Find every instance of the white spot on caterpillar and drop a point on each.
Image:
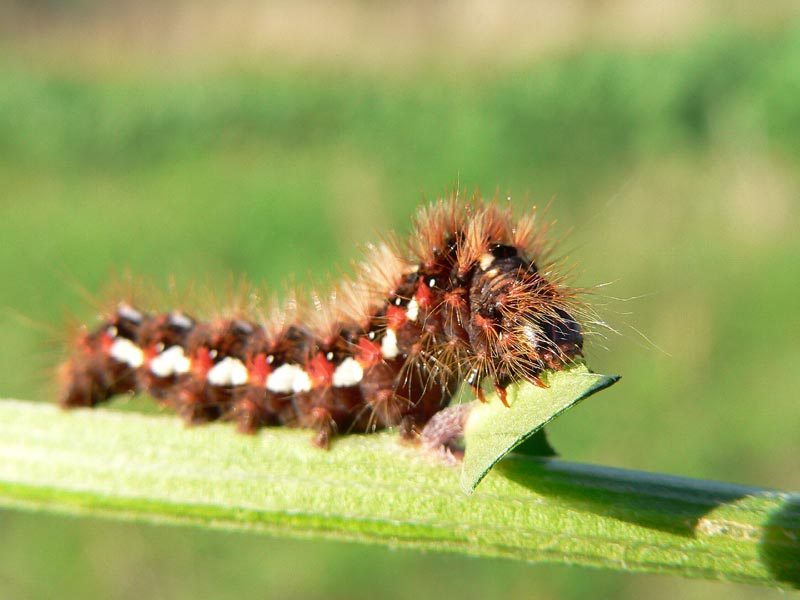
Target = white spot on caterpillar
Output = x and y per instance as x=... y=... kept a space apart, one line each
x=329 y=356
x=125 y=351
x=280 y=380
x=413 y=310
x=213 y=353
x=389 y=347
x=112 y=331
x=302 y=382
x=172 y=361
x=288 y=378
x=350 y=372
x=228 y=371
x=128 y=312
x=180 y=320
x=486 y=261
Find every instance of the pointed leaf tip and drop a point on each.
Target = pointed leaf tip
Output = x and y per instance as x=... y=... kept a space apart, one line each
x=493 y=430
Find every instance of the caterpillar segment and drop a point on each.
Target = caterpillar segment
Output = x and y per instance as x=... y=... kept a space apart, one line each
x=471 y=297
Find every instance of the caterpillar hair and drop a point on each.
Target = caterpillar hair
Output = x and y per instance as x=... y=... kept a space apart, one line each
x=472 y=296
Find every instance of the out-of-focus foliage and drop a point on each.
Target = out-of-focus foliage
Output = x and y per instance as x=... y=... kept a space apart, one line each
x=676 y=166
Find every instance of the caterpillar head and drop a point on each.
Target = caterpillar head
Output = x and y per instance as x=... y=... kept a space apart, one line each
x=521 y=323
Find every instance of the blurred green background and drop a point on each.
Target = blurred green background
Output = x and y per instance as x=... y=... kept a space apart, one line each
x=271 y=139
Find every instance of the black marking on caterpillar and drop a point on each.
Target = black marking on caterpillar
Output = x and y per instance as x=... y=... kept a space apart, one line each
x=472 y=296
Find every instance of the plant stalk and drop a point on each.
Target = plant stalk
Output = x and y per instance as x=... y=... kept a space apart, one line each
x=374 y=489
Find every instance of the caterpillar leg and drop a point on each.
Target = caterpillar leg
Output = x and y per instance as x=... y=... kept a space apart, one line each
x=325 y=427
x=250 y=411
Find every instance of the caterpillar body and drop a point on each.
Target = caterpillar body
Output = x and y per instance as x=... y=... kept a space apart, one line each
x=471 y=297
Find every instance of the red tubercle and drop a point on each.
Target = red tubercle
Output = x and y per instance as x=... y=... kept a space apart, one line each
x=106 y=341
x=202 y=361
x=320 y=370
x=396 y=317
x=456 y=299
x=483 y=322
x=150 y=353
x=424 y=295
x=368 y=352
x=259 y=369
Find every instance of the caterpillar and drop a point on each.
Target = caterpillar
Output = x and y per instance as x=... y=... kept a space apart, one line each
x=471 y=297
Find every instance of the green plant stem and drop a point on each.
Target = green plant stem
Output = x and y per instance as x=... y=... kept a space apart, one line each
x=373 y=489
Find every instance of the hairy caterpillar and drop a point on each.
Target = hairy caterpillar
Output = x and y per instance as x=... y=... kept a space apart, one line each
x=472 y=296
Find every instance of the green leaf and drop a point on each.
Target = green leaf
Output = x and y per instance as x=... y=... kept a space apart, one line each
x=493 y=429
